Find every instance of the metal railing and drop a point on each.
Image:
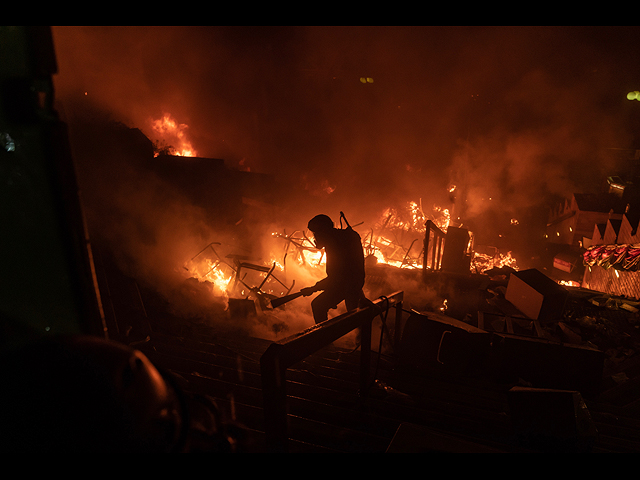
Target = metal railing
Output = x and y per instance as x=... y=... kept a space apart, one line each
x=433 y=247
x=285 y=353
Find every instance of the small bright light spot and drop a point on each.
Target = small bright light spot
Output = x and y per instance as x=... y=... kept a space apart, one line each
x=444 y=306
x=7 y=142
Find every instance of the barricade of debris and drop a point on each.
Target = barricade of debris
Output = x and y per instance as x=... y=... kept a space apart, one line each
x=529 y=304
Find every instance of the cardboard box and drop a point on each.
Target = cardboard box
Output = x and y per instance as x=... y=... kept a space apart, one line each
x=536 y=296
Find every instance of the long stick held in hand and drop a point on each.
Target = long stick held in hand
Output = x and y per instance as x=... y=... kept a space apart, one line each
x=276 y=302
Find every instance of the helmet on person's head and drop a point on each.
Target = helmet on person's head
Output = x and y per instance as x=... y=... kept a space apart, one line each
x=320 y=223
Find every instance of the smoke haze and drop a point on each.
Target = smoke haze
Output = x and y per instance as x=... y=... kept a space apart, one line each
x=363 y=118
x=289 y=100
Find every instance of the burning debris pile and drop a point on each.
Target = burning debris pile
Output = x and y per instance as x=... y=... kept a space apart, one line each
x=291 y=261
x=486 y=259
x=237 y=283
x=397 y=238
x=234 y=275
x=246 y=285
x=205 y=237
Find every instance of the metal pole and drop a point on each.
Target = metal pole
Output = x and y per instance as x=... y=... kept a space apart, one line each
x=281 y=355
x=365 y=354
x=273 y=375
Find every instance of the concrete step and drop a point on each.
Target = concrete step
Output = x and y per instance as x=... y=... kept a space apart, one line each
x=325 y=408
x=327 y=414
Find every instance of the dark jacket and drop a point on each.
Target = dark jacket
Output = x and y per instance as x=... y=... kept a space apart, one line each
x=345 y=261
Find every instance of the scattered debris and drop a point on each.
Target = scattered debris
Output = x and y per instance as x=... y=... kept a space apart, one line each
x=586 y=319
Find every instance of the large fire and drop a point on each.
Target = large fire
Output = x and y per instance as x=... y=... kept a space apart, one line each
x=294 y=259
x=397 y=237
x=396 y=240
x=171 y=136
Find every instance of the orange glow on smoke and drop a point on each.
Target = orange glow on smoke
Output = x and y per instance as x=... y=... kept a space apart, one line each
x=172 y=136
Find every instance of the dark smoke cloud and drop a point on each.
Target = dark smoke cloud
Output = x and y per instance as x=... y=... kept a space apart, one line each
x=514 y=116
x=288 y=100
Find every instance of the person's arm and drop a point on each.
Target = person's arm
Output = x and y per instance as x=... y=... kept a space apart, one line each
x=321 y=285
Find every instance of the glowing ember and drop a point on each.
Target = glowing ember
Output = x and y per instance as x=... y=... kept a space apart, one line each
x=482 y=262
x=569 y=283
x=444 y=306
x=171 y=132
x=444 y=219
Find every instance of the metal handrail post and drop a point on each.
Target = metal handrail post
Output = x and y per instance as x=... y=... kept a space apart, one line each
x=281 y=355
x=398 y=326
x=365 y=353
x=274 y=397
x=436 y=248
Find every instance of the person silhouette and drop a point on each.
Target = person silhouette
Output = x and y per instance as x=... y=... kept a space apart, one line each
x=344 y=267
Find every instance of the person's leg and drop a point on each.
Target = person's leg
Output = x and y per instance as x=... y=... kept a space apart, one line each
x=324 y=302
x=353 y=300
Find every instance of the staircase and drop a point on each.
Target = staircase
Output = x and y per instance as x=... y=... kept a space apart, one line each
x=326 y=413
x=401 y=413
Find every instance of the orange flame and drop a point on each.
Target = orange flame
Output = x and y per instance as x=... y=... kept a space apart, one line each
x=397 y=237
x=210 y=270
x=482 y=262
x=171 y=131
x=395 y=240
